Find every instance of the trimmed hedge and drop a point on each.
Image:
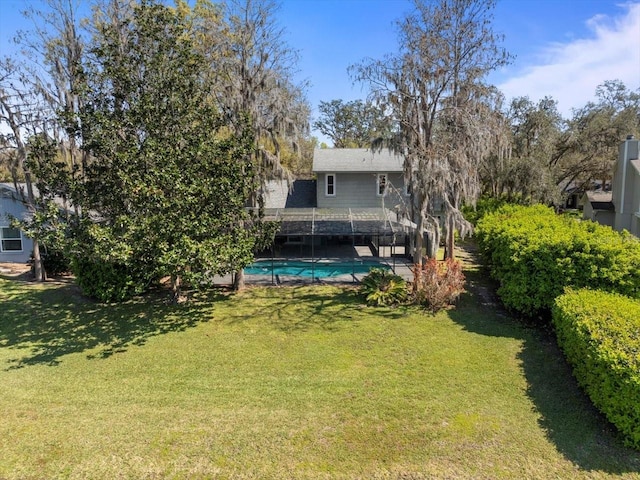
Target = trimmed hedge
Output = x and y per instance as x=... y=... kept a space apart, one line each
x=599 y=333
x=534 y=254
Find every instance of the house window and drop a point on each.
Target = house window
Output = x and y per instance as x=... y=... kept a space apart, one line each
x=407 y=189
x=10 y=240
x=381 y=184
x=330 y=184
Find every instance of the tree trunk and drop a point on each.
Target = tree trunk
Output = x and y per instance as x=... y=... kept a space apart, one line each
x=238 y=280
x=176 y=288
x=418 y=241
x=38 y=269
x=434 y=243
x=450 y=241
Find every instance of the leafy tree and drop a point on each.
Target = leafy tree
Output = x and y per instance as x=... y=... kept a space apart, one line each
x=535 y=132
x=353 y=124
x=434 y=88
x=23 y=114
x=34 y=92
x=166 y=180
x=254 y=78
x=47 y=223
x=54 y=48
x=548 y=156
x=588 y=149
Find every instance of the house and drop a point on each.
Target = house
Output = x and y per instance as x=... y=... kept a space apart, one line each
x=357 y=199
x=359 y=178
x=598 y=207
x=619 y=208
x=15 y=247
x=626 y=187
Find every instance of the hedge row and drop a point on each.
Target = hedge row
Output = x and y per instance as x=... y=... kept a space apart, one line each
x=535 y=254
x=599 y=333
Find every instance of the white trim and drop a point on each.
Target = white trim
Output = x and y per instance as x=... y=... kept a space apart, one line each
x=386 y=184
x=624 y=175
x=2 y=239
x=326 y=184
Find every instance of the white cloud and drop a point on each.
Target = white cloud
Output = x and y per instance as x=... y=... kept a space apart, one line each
x=570 y=72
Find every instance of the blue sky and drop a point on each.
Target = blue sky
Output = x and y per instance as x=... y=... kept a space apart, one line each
x=563 y=48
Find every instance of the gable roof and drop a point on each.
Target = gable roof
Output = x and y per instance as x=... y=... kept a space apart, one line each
x=356 y=160
x=8 y=191
x=600 y=200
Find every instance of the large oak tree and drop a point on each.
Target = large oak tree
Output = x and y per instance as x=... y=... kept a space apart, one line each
x=435 y=88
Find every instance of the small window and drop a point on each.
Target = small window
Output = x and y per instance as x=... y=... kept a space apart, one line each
x=10 y=240
x=407 y=189
x=382 y=184
x=330 y=184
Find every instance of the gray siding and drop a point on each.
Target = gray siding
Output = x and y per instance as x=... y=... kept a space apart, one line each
x=359 y=190
x=9 y=206
x=603 y=217
x=625 y=185
x=635 y=206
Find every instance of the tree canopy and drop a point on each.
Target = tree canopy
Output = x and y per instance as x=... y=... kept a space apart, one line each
x=354 y=124
x=434 y=88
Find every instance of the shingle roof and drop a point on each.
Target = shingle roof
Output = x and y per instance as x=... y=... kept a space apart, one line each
x=600 y=200
x=301 y=195
x=355 y=160
x=8 y=191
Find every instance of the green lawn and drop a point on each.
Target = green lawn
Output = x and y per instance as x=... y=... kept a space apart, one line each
x=299 y=382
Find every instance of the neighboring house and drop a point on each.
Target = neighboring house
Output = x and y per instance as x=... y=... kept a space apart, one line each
x=626 y=188
x=15 y=247
x=599 y=208
x=619 y=208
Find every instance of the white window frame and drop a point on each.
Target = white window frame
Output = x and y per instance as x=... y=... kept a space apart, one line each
x=407 y=189
x=2 y=239
x=326 y=184
x=386 y=184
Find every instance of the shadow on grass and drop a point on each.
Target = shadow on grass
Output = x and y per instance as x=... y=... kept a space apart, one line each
x=307 y=307
x=567 y=415
x=44 y=324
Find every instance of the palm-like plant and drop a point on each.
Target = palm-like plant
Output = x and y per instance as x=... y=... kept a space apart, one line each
x=382 y=287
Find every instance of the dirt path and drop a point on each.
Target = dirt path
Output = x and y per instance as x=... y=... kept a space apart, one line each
x=18 y=271
x=479 y=283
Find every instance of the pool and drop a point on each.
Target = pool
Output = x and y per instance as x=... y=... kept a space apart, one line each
x=309 y=269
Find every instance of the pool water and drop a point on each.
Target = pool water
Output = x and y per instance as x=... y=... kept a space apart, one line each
x=308 y=269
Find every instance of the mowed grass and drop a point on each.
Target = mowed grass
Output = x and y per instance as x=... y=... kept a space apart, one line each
x=296 y=382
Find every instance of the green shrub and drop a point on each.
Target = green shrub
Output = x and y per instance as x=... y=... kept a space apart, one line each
x=599 y=333
x=107 y=268
x=56 y=261
x=382 y=287
x=437 y=284
x=483 y=206
x=106 y=281
x=534 y=254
